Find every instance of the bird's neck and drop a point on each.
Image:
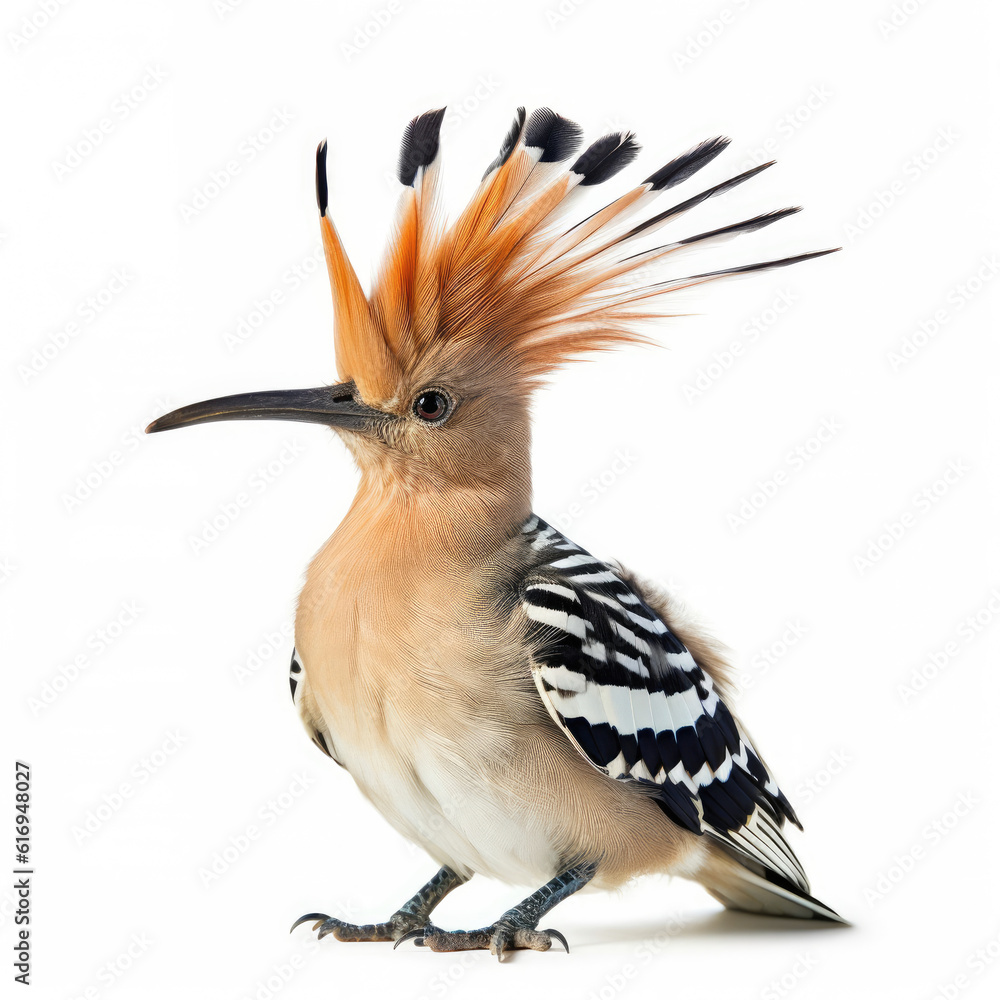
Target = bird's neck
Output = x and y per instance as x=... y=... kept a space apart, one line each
x=463 y=521
x=406 y=550
x=464 y=504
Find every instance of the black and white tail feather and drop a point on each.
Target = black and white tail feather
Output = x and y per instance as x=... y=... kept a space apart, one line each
x=632 y=699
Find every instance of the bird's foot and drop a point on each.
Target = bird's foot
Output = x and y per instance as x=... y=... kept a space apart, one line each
x=393 y=929
x=503 y=936
x=413 y=914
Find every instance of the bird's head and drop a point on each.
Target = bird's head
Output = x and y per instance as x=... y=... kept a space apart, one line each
x=436 y=365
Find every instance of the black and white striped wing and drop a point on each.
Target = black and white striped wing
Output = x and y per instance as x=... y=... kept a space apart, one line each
x=630 y=696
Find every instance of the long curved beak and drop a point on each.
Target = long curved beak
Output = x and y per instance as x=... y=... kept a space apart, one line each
x=334 y=406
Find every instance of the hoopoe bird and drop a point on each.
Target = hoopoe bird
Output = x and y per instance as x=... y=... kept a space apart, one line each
x=519 y=708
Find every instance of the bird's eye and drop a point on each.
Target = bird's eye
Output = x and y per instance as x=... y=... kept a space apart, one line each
x=432 y=406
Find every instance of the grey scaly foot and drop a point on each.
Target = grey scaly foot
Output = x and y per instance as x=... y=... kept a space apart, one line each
x=413 y=914
x=517 y=928
x=499 y=938
x=392 y=929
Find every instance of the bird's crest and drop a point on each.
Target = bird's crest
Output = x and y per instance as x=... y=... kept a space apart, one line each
x=513 y=287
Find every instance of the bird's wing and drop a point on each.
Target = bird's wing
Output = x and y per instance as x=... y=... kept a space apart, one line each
x=633 y=700
x=309 y=712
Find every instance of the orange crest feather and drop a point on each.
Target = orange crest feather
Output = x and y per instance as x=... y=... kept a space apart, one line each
x=506 y=288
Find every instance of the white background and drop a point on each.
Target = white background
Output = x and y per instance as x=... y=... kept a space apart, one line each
x=879 y=114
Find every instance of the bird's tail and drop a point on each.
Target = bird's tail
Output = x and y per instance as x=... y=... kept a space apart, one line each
x=738 y=888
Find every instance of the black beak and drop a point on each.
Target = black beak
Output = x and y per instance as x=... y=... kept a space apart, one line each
x=334 y=406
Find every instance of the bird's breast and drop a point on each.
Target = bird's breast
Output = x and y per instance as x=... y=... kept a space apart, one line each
x=412 y=674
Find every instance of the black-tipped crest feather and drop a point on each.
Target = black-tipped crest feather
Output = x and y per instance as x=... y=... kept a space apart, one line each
x=680 y=168
x=697 y=199
x=748 y=226
x=420 y=144
x=557 y=137
x=764 y=265
x=602 y=159
x=509 y=142
x=322 y=191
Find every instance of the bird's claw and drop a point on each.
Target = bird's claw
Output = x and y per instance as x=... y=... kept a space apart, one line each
x=317 y=919
x=416 y=936
x=343 y=931
x=559 y=936
x=508 y=937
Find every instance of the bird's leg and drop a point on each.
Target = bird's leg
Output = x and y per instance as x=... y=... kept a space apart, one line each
x=412 y=914
x=517 y=928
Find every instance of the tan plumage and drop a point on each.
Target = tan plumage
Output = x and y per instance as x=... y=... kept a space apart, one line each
x=511 y=704
x=422 y=681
